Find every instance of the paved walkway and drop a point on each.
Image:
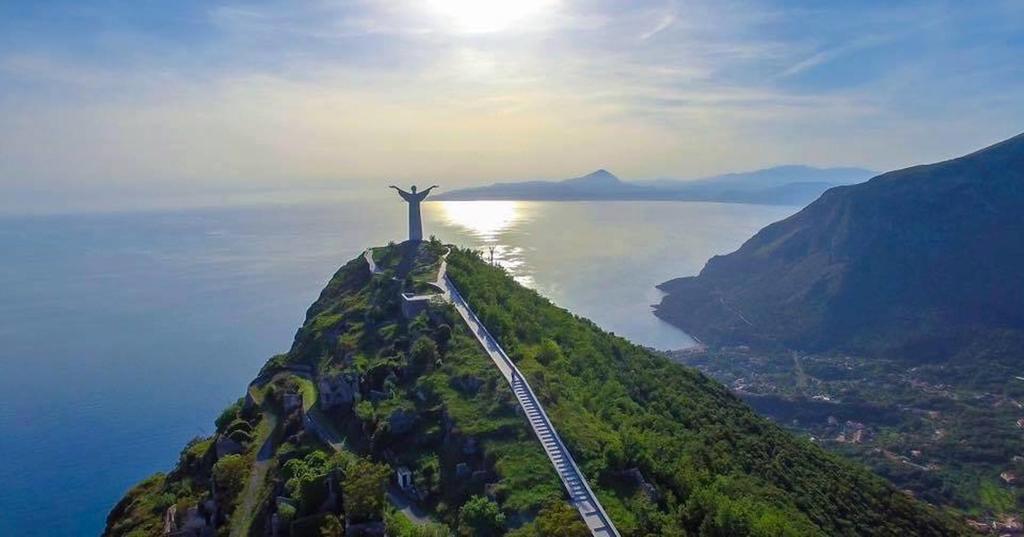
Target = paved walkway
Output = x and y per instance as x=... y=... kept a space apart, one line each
x=324 y=430
x=368 y=256
x=580 y=494
x=413 y=512
x=243 y=517
x=321 y=427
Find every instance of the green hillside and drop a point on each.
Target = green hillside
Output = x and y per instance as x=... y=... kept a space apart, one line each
x=923 y=264
x=896 y=305
x=668 y=451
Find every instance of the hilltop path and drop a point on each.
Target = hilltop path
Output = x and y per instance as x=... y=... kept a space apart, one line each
x=243 y=517
x=580 y=493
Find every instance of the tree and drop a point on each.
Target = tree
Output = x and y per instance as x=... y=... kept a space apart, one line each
x=286 y=512
x=364 y=489
x=424 y=352
x=364 y=411
x=550 y=352
x=304 y=480
x=557 y=519
x=443 y=334
x=429 y=469
x=400 y=526
x=480 y=517
x=332 y=527
x=229 y=473
x=431 y=529
x=229 y=415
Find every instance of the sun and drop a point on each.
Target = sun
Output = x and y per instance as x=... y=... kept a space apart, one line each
x=485 y=16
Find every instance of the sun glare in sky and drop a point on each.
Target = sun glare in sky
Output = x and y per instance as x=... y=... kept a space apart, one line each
x=483 y=16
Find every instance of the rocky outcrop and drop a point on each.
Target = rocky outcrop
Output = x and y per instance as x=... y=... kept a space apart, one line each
x=338 y=390
x=226 y=446
x=401 y=421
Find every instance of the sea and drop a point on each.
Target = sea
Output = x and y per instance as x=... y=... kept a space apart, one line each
x=124 y=333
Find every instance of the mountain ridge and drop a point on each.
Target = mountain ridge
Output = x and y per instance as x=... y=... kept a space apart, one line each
x=785 y=185
x=913 y=251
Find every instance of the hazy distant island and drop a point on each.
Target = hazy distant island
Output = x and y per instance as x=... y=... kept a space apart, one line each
x=781 y=185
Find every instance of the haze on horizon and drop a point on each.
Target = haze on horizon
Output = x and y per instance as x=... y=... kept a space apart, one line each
x=160 y=98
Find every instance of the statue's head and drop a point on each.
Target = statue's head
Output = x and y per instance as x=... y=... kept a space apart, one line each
x=413 y=189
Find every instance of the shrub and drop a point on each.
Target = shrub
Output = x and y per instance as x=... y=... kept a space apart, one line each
x=558 y=519
x=229 y=415
x=365 y=484
x=424 y=352
x=480 y=517
x=286 y=512
x=230 y=473
x=331 y=526
x=241 y=436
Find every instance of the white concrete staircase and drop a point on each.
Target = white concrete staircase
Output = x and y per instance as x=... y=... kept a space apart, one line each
x=580 y=494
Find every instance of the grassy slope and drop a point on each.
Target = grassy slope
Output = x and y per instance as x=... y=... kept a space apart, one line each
x=721 y=468
x=355 y=325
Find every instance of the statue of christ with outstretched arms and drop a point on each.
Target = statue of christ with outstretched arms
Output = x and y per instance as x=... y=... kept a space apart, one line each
x=413 y=199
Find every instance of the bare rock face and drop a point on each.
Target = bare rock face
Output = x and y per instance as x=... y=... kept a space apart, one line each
x=401 y=421
x=338 y=390
x=226 y=446
x=365 y=529
x=292 y=402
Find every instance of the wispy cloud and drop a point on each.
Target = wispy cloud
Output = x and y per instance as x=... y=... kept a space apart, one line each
x=829 y=54
x=244 y=93
x=666 y=20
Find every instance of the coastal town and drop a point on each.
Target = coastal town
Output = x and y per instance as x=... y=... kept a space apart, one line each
x=935 y=437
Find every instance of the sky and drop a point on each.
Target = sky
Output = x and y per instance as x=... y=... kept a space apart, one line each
x=136 y=98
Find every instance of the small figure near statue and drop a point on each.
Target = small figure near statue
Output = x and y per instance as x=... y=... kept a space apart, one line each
x=413 y=199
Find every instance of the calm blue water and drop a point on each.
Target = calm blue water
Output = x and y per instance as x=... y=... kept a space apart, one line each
x=123 y=335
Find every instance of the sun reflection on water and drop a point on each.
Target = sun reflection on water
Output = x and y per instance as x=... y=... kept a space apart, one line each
x=487 y=222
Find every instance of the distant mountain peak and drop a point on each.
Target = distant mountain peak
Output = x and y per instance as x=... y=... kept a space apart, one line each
x=601 y=176
x=789 y=185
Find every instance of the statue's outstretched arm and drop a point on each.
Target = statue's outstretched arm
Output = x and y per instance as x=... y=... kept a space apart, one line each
x=405 y=195
x=423 y=193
